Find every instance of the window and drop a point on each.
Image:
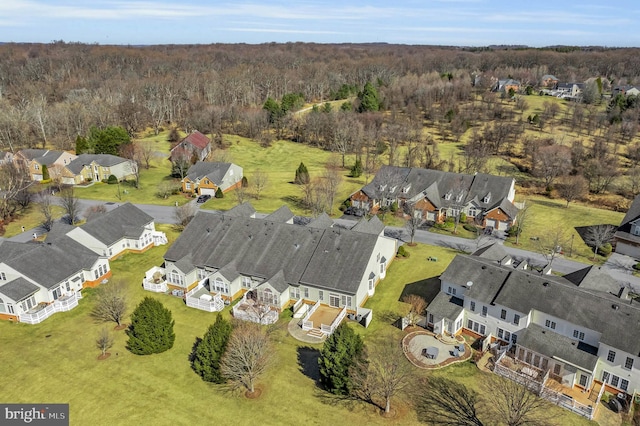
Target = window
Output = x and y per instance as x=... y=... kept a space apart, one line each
x=187 y=185
x=628 y=364
x=615 y=380
x=605 y=376
x=68 y=286
x=36 y=166
x=246 y=282
x=96 y=274
x=503 y=314
x=516 y=319
x=472 y=306
x=451 y=290
x=484 y=311
x=624 y=384
x=550 y=324
x=583 y=380
x=611 y=356
x=371 y=284
x=3 y=277
x=578 y=335
x=504 y=335
x=556 y=369
x=220 y=286
x=430 y=319
x=346 y=300
x=476 y=327
x=306 y=292
x=295 y=293
x=2 y=308
x=320 y=295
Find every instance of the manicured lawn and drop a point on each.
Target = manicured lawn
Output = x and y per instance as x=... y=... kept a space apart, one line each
x=29 y=218
x=56 y=361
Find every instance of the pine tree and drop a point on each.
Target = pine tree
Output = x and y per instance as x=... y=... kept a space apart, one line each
x=151 y=329
x=245 y=182
x=356 y=170
x=343 y=349
x=209 y=351
x=82 y=145
x=369 y=100
x=219 y=193
x=302 y=175
x=45 y=172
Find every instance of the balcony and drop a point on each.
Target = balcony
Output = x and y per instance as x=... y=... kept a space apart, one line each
x=155 y=280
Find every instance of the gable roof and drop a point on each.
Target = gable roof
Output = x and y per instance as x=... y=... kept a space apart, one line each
x=126 y=220
x=196 y=139
x=241 y=210
x=321 y=222
x=371 y=226
x=105 y=160
x=283 y=214
x=214 y=171
x=262 y=248
x=18 y=289
x=43 y=156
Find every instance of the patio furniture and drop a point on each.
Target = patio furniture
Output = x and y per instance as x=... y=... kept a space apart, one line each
x=206 y=297
x=455 y=352
x=461 y=348
x=432 y=352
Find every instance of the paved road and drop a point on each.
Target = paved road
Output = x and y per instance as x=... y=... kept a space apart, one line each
x=618 y=266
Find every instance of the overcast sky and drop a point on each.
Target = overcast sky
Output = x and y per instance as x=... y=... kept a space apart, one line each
x=443 y=22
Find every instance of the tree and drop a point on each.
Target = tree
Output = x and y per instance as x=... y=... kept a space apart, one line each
x=441 y=401
x=356 y=169
x=209 y=351
x=383 y=373
x=522 y=218
x=45 y=172
x=417 y=305
x=369 y=99
x=598 y=235
x=512 y=402
x=46 y=208
x=551 y=243
x=260 y=181
x=94 y=211
x=183 y=214
x=219 y=193
x=108 y=140
x=151 y=328
x=413 y=222
x=331 y=179
x=302 y=175
x=572 y=188
x=15 y=182
x=248 y=355
x=111 y=303
x=71 y=205
x=553 y=161
x=82 y=145
x=342 y=350
x=104 y=342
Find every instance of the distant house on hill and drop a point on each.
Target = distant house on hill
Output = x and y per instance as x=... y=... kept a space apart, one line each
x=96 y=167
x=505 y=85
x=206 y=177
x=36 y=160
x=549 y=81
x=195 y=144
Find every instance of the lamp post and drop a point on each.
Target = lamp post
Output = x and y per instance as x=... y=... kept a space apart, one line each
x=571 y=246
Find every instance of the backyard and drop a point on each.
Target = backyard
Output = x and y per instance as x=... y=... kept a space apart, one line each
x=56 y=361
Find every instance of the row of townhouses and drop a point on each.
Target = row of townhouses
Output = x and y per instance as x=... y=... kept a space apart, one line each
x=38 y=279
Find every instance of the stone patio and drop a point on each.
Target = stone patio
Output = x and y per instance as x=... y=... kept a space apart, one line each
x=414 y=343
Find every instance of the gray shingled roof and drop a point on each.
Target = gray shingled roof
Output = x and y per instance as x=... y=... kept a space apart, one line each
x=126 y=220
x=495 y=252
x=524 y=291
x=105 y=160
x=278 y=282
x=18 y=289
x=283 y=214
x=554 y=345
x=242 y=210
x=371 y=226
x=445 y=306
x=327 y=258
x=214 y=171
x=42 y=156
x=632 y=214
x=321 y=222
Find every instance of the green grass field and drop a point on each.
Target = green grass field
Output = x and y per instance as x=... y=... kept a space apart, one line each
x=56 y=361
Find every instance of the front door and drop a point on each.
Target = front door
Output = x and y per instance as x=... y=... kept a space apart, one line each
x=334 y=300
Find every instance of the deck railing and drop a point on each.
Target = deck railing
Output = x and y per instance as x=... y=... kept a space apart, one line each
x=307 y=325
x=216 y=304
x=568 y=403
x=61 y=305
x=149 y=285
x=310 y=312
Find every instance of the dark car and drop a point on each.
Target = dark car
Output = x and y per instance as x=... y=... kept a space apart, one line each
x=203 y=198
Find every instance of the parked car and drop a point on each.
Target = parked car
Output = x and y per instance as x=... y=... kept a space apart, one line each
x=203 y=198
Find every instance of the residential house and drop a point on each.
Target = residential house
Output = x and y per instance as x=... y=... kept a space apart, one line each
x=569 y=90
x=195 y=144
x=39 y=279
x=626 y=90
x=507 y=85
x=580 y=331
x=35 y=160
x=627 y=237
x=274 y=263
x=97 y=167
x=123 y=229
x=549 y=81
x=206 y=177
x=434 y=195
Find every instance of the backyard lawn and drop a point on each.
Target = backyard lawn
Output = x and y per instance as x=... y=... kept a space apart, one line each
x=56 y=361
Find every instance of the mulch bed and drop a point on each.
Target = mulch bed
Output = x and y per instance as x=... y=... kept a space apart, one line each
x=103 y=357
x=120 y=327
x=257 y=392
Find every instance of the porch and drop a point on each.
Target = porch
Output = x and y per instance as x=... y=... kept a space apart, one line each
x=322 y=319
x=155 y=280
x=249 y=309
x=41 y=312
x=201 y=298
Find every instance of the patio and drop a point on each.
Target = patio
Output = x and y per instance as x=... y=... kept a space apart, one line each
x=424 y=350
x=322 y=319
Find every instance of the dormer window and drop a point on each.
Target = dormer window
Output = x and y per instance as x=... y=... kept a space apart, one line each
x=448 y=195
x=487 y=198
x=393 y=189
x=406 y=189
x=382 y=187
x=459 y=197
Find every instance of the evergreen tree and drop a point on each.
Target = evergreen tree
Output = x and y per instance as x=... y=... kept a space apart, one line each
x=82 y=145
x=151 y=329
x=45 y=172
x=209 y=351
x=356 y=170
x=273 y=108
x=342 y=350
x=245 y=182
x=369 y=100
x=108 y=140
x=302 y=175
x=219 y=193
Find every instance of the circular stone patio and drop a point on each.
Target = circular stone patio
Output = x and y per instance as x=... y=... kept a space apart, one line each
x=416 y=342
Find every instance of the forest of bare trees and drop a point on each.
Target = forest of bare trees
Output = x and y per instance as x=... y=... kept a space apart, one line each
x=52 y=93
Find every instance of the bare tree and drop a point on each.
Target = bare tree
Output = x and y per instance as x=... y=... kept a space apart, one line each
x=572 y=188
x=240 y=191
x=413 y=222
x=167 y=188
x=94 y=211
x=440 y=401
x=15 y=183
x=383 y=374
x=417 y=305
x=598 y=235
x=522 y=218
x=551 y=244
x=104 y=342
x=248 y=355
x=71 y=205
x=553 y=161
x=46 y=208
x=513 y=403
x=183 y=214
x=146 y=153
x=111 y=303
x=331 y=180
x=259 y=181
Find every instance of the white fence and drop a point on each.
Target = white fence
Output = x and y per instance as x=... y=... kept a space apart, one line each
x=155 y=287
x=215 y=304
x=308 y=315
x=61 y=305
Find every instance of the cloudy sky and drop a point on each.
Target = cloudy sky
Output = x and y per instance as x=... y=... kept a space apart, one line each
x=443 y=22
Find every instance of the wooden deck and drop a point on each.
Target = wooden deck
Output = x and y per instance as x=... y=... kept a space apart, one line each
x=576 y=393
x=324 y=315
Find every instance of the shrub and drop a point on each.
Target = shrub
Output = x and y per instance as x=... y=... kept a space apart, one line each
x=342 y=350
x=463 y=217
x=513 y=231
x=302 y=175
x=637 y=266
x=219 y=193
x=402 y=252
x=470 y=227
x=394 y=207
x=605 y=249
x=245 y=182
x=112 y=180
